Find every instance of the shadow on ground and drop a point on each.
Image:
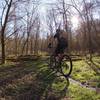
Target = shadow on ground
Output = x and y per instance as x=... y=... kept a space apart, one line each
x=31 y=80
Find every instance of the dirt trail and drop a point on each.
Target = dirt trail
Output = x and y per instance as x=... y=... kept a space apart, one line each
x=80 y=84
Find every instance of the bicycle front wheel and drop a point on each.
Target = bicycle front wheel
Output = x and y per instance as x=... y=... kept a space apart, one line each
x=66 y=66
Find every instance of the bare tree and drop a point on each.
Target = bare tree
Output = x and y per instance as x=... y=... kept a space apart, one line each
x=36 y=45
x=3 y=27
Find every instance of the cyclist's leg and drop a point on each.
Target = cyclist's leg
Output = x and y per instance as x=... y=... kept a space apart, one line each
x=56 y=50
x=61 y=51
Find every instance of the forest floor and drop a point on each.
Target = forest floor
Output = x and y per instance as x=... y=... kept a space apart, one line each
x=33 y=80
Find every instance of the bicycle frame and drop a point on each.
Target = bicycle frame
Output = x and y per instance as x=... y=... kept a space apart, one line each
x=58 y=66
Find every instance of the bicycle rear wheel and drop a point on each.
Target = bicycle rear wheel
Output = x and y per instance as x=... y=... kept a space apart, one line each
x=66 y=66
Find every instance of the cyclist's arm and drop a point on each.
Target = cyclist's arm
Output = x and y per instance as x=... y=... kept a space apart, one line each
x=52 y=41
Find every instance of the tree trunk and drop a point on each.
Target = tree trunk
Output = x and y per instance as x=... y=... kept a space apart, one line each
x=3 y=31
x=2 y=46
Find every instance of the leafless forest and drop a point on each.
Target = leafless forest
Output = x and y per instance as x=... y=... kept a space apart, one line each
x=21 y=26
x=26 y=29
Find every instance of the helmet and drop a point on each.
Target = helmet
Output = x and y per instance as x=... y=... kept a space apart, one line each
x=57 y=31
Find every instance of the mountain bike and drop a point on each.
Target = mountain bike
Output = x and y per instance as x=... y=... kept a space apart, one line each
x=62 y=64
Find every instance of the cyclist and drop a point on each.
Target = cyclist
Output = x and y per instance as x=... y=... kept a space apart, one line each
x=62 y=42
x=58 y=60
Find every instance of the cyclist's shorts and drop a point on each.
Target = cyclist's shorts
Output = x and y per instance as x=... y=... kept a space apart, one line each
x=61 y=46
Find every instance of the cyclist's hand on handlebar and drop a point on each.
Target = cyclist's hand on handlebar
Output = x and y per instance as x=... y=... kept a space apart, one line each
x=49 y=45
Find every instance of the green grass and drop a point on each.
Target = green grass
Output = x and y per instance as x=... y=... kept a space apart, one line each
x=96 y=61
x=84 y=73
x=78 y=93
x=33 y=79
